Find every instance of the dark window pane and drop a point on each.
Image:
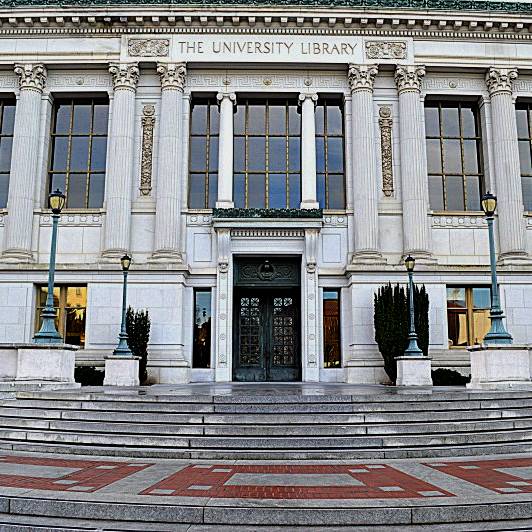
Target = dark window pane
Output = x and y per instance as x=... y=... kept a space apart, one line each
x=75 y=326
x=198 y=153
x=320 y=183
x=334 y=120
x=335 y=155
x=199 y=119
x=277 y=191
x=257 y=119
x=215 y=119
x=456 y=297
x=521 y=116
x=277 y=154
x=294 y=120
x=256 y=191
x=481 y=298
x=473 y=193
x=256 y=153
x=5 y=153
x=468 y=122
x=239 y=191
x=213 y=154
x=62 y=118
x=77 y=188
x=452 y=156
x=82 y=119
x=434 y=156
x=58 y=181
x=201 y=350
x=4 y=189
x=8 y=120
x=455 y=193
x=526 y=183
x=471 y=157
x=320 y=154
x=436 y=192
x=79 y=154
x=197 y=191
x=99 y=153
x=331 y=330
x=213 y=190
x=295 y=191
x=336 y=191
x=100 y=120
x=239 y=120
x=450 y=124
x=294 y=154
x=524 y=157
x=457 y=324
x=60 y=153
x=96 y=191
x=277 y=119
x=320 y=120
x=432 y=122
x=239 y=163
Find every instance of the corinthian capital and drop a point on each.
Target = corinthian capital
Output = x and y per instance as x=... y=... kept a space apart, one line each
x=125 y=75
x=408 y=78
x=173 y=75
x=501 y=80
x=31 y=76
x=362 y=77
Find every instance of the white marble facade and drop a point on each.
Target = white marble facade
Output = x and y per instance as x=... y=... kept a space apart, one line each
x=154 y=63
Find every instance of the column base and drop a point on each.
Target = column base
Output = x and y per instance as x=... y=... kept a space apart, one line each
x=167 y=255
x=421 y=256
x=368 y=256
x=414 y=371
x=514 y=258
x=121 y=371
x=112 y=255
x=17 y=255
x=500 y=367
x=309 y=205
x=224 y=204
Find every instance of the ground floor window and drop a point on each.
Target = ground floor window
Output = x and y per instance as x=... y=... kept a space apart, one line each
x=71 y=304
x=201 y=350
x=331 y=329
x=468 y=310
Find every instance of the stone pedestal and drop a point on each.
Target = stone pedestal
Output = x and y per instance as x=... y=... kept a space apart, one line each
x=500 y=367
x=121 y=371
x=414 y=371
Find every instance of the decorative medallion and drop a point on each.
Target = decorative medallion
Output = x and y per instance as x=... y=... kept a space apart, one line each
x=385 y=126
x=148 y=124
x=385 y=50
x=148 y=47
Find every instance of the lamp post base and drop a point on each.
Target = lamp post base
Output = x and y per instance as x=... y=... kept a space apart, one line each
x=121 y=371
x=414 y=371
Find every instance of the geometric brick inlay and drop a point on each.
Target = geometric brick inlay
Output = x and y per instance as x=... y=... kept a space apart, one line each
x=258 y=482
x=89 y=475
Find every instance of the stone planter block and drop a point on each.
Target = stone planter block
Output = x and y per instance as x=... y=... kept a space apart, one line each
x=414 y=371
x=121 y=371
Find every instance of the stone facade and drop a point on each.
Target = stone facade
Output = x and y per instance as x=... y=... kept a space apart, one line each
x=152 y=66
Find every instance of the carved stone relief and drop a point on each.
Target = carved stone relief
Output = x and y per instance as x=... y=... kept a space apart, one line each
x=125 y=75
x=385 y=50
x=501 y=80
x=31 y=76
x=146 y=165
x=408 y=78
x=385 y=126
x=148 y=47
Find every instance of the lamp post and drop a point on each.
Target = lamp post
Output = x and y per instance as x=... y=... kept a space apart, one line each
x=497 y=334
x=122 y=349
x=413 y=349
x=48 y=333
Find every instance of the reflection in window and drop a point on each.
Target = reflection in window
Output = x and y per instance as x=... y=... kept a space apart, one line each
x=71 y=302
x=453 y=156
x=331 y=329
x=468 y=310
x=7 y=120
x=524 y=132
x=201 y=349
x=330 y=155
x=267 y=155
x=79 y=150
x=203 y=160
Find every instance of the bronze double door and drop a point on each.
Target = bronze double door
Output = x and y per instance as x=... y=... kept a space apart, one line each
x=266 y=335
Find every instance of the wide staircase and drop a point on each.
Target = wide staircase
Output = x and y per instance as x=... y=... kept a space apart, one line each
x=270 y=426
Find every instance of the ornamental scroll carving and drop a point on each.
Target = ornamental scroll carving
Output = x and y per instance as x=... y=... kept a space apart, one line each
x=362 y=77
x=385 y=50
x=173 y=75
x=385 y=126
x=148 y=47
x=31 y=76
x=146 y=165
x=125 y=76
x=501 y=80
x=408 y=78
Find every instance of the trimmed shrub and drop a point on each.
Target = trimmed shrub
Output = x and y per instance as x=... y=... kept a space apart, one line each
x=449 y=377
x=89 y=375
x=138 y=336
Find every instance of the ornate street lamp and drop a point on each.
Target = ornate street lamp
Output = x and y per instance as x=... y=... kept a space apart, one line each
x=497 y=334
x=48 y=333
x=413 y=349
x=122 y=349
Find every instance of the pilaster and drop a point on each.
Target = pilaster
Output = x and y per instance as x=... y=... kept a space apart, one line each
x=224 y=305
x=227 y=101
x=308 y=151
x=311 y=370
x=24 y=163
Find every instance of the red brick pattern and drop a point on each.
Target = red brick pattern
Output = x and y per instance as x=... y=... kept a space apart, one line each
x=485 y=473
x=380 y=482
x=92 y=475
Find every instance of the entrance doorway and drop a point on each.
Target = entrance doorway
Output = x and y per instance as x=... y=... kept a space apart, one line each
x=266 y=321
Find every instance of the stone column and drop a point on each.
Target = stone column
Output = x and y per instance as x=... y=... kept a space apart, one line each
x=169 y=175
x=308 y=151
x=227 y=101
x=416 y=236
x=24 y=163
x=364 y=159
x=120 y=162
x=506 y=165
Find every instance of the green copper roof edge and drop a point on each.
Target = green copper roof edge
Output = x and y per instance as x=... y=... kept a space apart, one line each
x=447 y=5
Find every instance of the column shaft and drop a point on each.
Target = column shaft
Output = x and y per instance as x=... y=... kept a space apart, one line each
x=225 y=150
x=120 y=163
x=308 y=151
x=24 y=163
